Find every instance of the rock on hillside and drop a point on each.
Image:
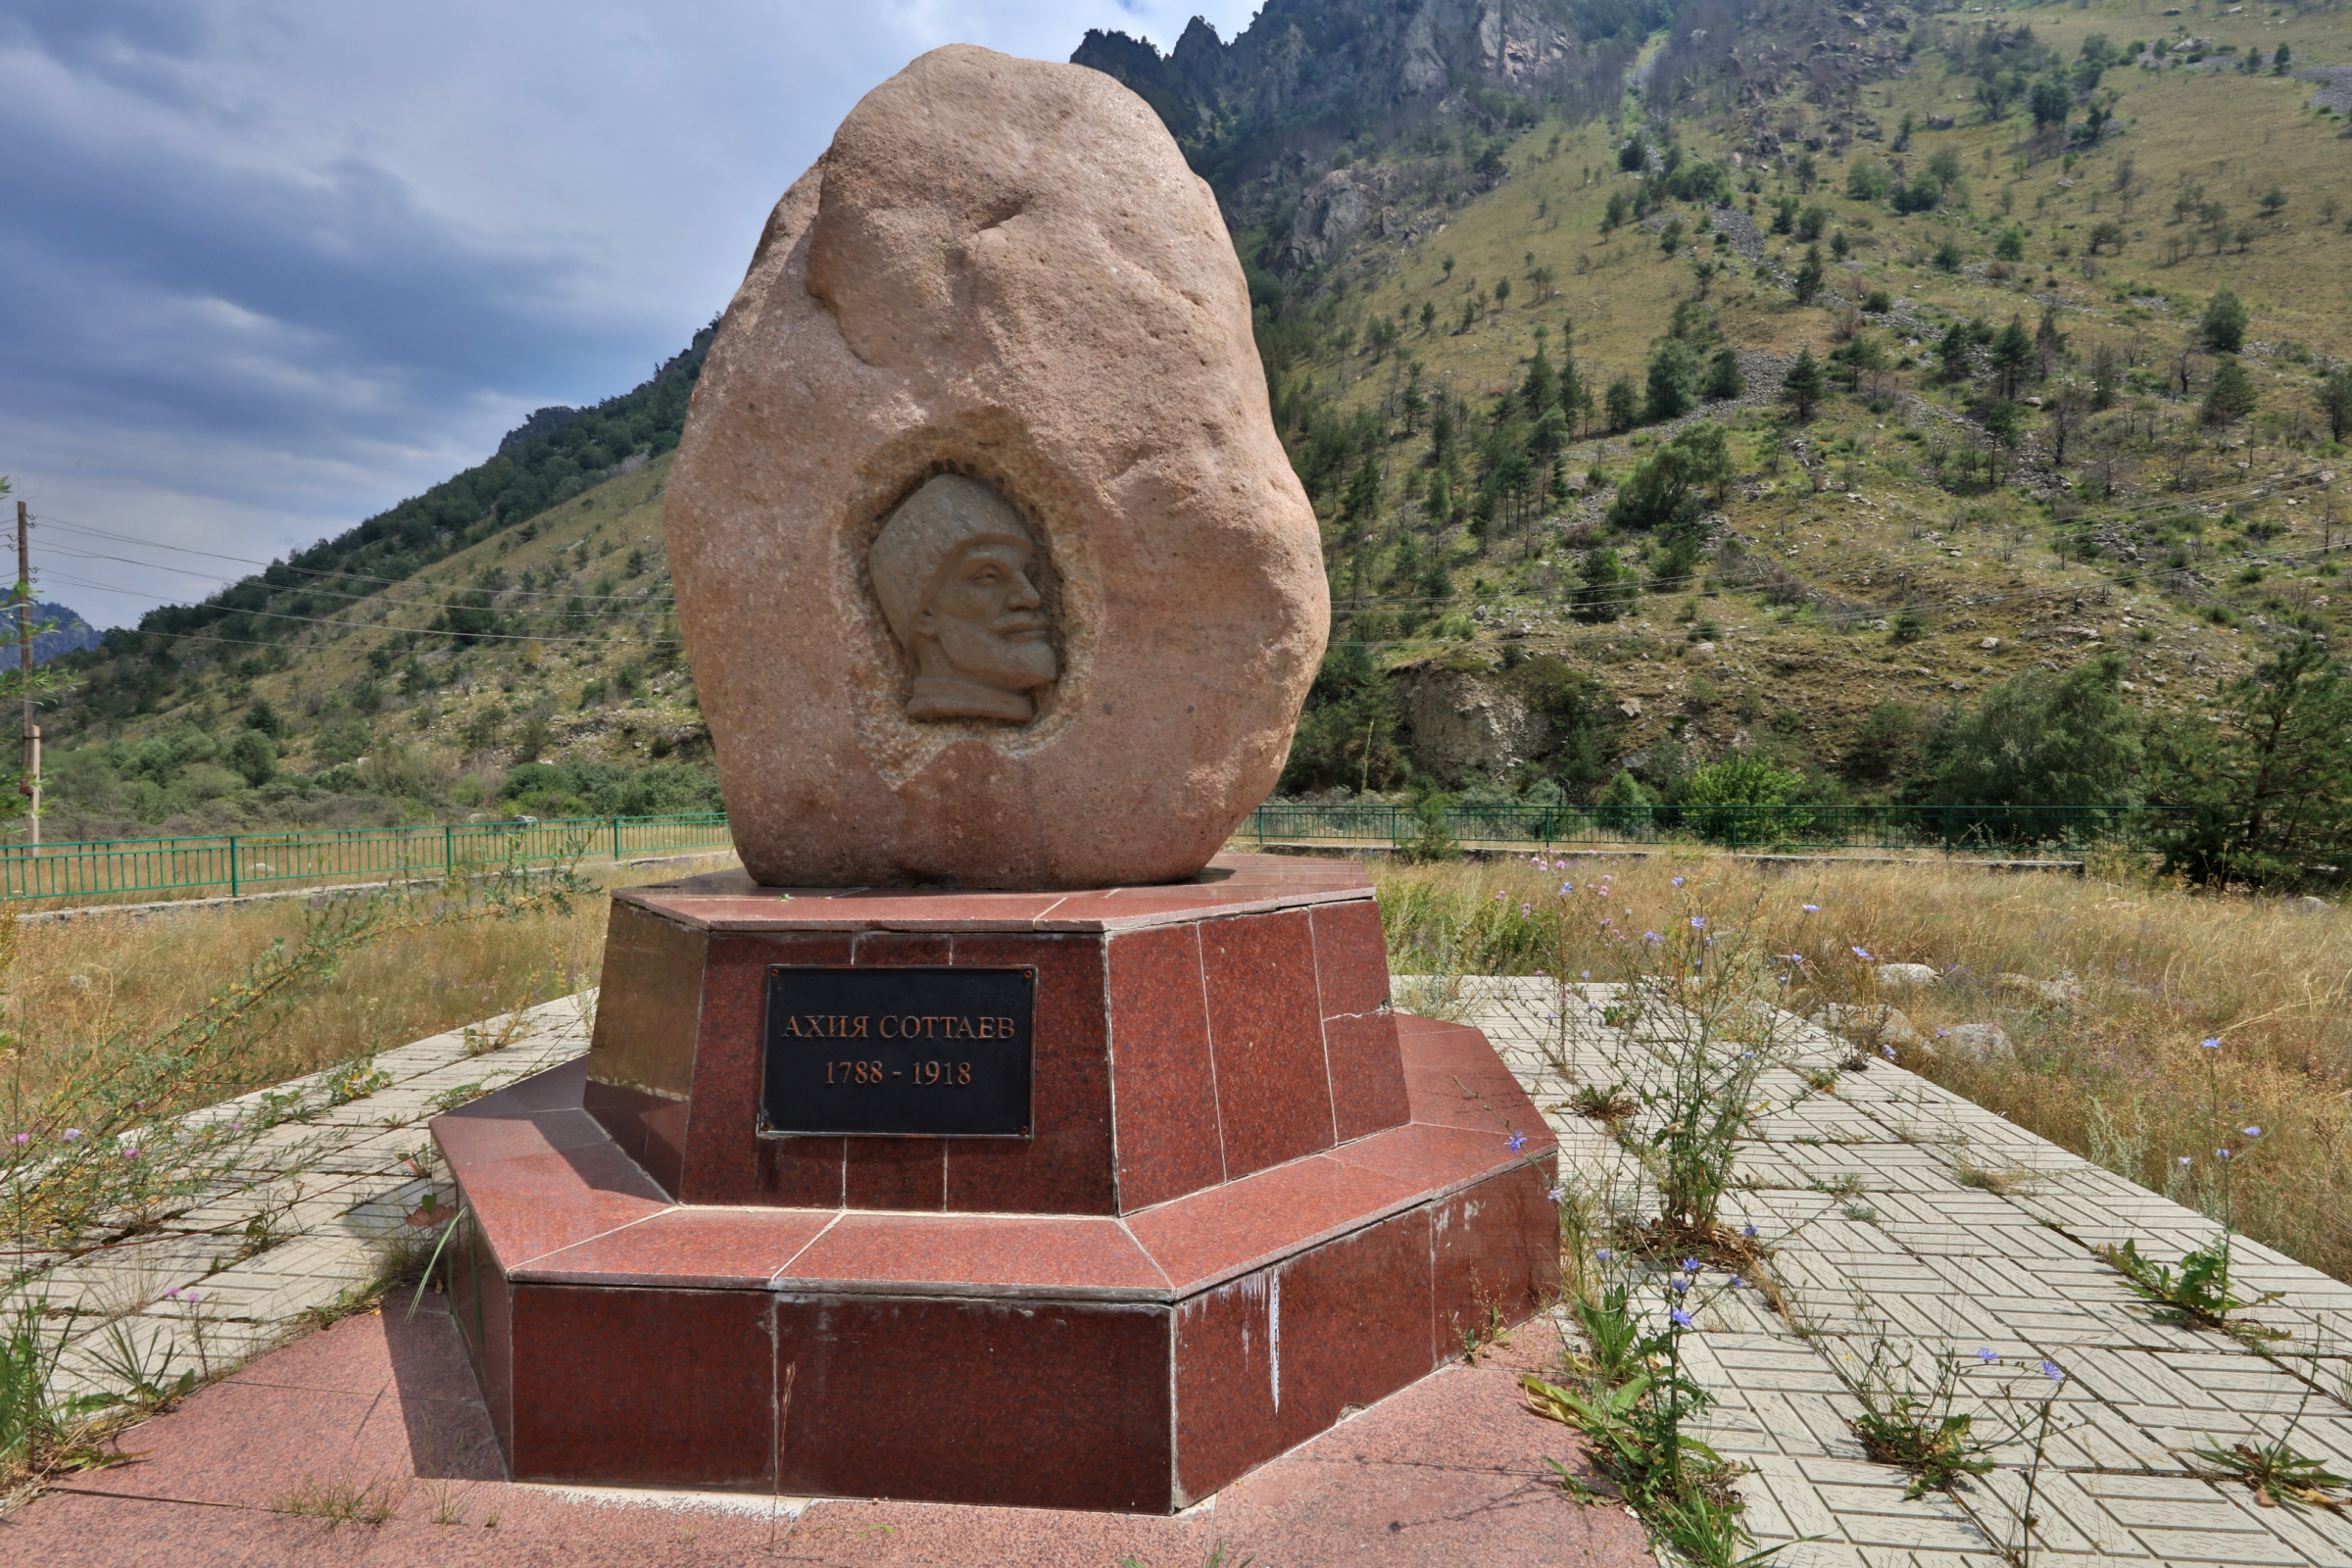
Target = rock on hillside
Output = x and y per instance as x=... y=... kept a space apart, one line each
x=1461 y=725
x=1304 y=72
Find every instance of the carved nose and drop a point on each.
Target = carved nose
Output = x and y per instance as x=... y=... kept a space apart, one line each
x=1024 y=592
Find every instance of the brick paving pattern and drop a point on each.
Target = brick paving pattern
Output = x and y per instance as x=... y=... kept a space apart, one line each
x=330 y=1188
x=1876 y=1234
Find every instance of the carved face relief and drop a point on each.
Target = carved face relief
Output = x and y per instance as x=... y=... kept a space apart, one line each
x=954 y=570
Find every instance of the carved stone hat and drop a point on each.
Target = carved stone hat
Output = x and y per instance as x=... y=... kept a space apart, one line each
x=923 y=536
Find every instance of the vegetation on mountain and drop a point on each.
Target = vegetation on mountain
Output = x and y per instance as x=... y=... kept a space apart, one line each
x=1903 y=402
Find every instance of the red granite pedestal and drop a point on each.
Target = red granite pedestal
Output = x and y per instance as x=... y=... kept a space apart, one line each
x=1253 y=1198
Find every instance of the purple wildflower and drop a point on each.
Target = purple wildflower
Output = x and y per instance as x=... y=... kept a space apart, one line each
x=1682 y=1319
x=1517 y=1141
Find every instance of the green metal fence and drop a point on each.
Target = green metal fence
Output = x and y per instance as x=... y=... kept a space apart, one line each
x=252 y=863
x=1955 y=829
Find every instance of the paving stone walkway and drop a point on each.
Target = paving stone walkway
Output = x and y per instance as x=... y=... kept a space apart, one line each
x=304 y=1217
x=1903 y=1213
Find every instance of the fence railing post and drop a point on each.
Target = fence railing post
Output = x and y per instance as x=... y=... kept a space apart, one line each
x=616 y=841
x=232 y=865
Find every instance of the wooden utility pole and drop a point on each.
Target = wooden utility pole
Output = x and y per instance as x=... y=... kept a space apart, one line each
x=31 y=784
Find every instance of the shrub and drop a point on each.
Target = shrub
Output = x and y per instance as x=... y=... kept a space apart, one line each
x=2231 y=397
x=1663 y=492
x=1606 y=587
x=1673 y=381
x=2041 y=739
x=254 y=756
x=1626 y=804
x=1726 y=380
x=1712 y=797
x=2224 y=324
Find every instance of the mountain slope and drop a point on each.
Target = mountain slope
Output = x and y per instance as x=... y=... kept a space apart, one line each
x=1465 y=228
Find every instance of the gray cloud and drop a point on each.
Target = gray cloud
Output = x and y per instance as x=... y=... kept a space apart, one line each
x=267 y=267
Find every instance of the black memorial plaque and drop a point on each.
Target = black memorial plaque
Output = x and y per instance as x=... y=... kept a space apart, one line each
x=897 y=1052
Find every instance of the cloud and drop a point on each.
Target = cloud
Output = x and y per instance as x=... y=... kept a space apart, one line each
x=268 y=266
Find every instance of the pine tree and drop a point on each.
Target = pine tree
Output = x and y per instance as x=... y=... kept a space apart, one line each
x=2264 y=797
x=2335 y=401
x=1673 y=381
x=1802 y=388
x=1810 y=275
x=1623 y=404
x=2230 y=398
x=1539 y=391
x=1725 y=380
x=2012 y=355
x=1607 y=587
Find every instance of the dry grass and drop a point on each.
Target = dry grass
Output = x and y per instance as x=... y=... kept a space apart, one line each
x=2118 y=1076
x=78 y=983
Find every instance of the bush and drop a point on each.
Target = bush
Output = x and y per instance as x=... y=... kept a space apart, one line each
x=1712 y=797
x=1663 y=494
x=1878 y=302
x=1673 y=381
x=1867 y=182
x=2041 y=739
x=1724 y=379
x=253 y=758
x=1606 y=588
x=2224 y=324
x=342 y=740
x=1626 y=804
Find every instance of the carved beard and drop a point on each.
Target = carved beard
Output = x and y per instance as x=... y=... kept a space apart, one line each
x=1011 y=662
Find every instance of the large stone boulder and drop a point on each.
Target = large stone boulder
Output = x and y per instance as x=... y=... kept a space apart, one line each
x=1905 y=976
x=988 y=558
x=1461 y=725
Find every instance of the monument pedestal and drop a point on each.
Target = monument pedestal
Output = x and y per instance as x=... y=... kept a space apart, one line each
x=1248 y=1197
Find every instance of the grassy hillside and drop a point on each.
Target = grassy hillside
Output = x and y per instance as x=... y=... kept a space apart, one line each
x=550 y=640
x=1919 y=538
x=1448 y=292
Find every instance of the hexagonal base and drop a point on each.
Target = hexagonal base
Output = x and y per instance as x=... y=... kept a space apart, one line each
x=1130 y=1361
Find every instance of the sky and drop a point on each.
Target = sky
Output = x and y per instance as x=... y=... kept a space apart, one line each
x=268 y=266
